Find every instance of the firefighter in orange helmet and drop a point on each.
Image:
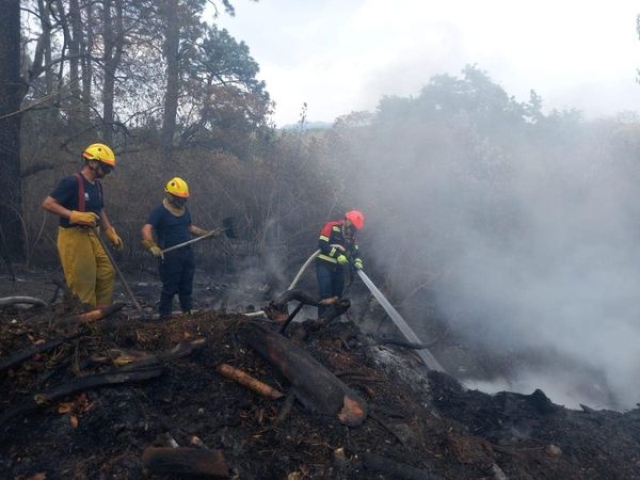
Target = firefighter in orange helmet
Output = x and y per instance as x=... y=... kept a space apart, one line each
x=79 y=202
x=338 y=249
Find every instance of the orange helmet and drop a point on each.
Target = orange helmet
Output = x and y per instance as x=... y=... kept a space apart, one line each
x=101 y=153
x=356 y=218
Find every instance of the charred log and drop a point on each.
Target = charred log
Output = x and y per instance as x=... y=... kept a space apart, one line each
x=95 y=381
x=278 y=310
x=291 y=317
x=298 y=295
x=24 y=355
x=79 y=384
x=317 y=388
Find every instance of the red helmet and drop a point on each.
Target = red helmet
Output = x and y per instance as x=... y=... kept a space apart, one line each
x=356 y=218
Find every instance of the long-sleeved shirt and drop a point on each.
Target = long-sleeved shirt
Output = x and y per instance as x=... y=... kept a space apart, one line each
x=333 y=234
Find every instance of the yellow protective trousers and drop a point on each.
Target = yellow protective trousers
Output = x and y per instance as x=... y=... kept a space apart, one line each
x=87 y=268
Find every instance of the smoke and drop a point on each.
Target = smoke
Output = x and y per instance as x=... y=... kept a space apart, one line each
x=527 y=242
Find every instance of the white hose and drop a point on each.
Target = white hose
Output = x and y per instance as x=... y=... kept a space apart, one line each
x=302 y=269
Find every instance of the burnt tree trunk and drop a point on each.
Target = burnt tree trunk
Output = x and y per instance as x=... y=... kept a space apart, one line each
x=11 y=91
x=317 y=388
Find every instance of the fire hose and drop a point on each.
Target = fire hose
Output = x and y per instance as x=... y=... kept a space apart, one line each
x=424 y=353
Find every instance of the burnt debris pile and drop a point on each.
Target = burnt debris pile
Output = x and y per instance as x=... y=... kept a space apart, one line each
x=100 y=395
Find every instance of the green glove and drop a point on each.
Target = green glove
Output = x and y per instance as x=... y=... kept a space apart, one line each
x=342 y=259
x=88 y=219
x=358 y=264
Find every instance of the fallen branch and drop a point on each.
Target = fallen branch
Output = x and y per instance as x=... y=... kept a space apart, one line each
x=317 y=388
x=185 y=461
x=24 y=355
x=278 y=309
x=82 y=383
x=248 y=381
x=290 y=318
x=91 y=316
x=298 y=295
x=95 y=381
x=135 y=359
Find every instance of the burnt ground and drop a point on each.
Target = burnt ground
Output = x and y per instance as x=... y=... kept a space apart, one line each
x=420 y=424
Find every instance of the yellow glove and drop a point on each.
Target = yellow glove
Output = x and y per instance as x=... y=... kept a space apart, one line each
x=88 y=219
x=358 y=264
x=115 y=240
x=154 y=249
x=342 y=259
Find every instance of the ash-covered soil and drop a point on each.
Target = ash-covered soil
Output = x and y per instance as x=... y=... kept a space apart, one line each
x=419 y=425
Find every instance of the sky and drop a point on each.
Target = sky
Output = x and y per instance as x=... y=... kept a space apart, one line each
x=340 y=56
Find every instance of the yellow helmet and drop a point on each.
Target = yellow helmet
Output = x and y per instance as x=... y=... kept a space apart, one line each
x=178 y=187
x=100 y=152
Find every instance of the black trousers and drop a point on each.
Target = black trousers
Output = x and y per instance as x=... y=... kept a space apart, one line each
x=176 y=272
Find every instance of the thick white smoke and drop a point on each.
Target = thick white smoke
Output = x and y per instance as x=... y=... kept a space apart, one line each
x=529 y=243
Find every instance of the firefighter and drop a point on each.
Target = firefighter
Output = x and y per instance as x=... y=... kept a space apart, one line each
x=338 y=249
x=171 y=223
x=79 y=202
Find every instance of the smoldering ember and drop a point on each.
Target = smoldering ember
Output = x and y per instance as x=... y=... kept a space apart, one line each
x=114 y=393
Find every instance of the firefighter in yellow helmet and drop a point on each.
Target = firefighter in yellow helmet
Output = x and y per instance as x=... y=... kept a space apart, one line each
x=171 y=223
x=79 y=202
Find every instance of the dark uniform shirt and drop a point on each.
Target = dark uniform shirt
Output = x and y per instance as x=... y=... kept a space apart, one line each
x=67 y=194
x=170 y=230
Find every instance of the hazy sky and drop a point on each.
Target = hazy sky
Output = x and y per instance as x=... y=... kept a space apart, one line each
x=343 y=55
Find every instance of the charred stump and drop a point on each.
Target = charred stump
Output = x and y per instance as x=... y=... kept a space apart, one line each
x=315 y=387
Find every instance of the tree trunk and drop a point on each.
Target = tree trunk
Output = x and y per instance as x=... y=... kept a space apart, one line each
x=171 y=45
x=71 y=29
x=11 y=91
x=87 y=61
x=113 y=46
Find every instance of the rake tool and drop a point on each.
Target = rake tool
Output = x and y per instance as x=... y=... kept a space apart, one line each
x=228 y=228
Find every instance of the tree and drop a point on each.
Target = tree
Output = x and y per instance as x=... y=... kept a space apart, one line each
x=170 y=51
x=222 y=102
x=11 y=92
